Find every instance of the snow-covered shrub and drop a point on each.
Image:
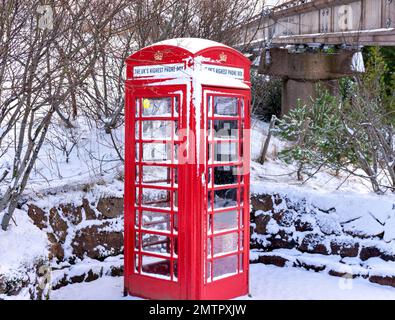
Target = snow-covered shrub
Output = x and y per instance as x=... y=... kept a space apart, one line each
x=316 y=131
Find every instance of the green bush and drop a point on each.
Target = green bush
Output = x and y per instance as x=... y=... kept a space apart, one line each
x=317 y=133
x=379 y=78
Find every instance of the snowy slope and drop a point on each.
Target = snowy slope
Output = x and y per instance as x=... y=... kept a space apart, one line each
x=21 y=245
x=274 y=171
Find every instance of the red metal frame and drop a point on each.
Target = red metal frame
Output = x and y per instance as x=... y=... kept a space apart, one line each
x=187 y=234
x=236 y=284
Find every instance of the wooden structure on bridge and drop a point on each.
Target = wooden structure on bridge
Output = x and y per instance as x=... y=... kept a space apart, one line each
x=352 y=22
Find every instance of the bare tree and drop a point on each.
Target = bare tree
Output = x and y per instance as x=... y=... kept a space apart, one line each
x=65 y=59
x=43 y=65
x=370 y=135
x=142 y=23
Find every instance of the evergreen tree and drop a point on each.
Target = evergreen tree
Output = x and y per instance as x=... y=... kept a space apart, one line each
x=379 y=77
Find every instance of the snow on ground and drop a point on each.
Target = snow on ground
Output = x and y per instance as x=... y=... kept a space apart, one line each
x=22 y=248
x=266 y=283
x=270 y=282
x=92 y=157
x=21 y=245
x=105 y=288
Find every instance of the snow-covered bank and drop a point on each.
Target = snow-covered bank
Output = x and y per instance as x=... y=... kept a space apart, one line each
x=292 y=230
x=274 y=173
x=349 y=199
x=266 y=283
x=23 y=258
x=329 y=223
x=12 y=255
x=65 y=235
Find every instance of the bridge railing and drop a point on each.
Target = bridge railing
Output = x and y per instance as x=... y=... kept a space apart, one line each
x=353 y=22
x=289 y=4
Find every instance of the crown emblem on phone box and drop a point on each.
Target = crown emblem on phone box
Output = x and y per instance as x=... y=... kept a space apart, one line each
x=158 y=56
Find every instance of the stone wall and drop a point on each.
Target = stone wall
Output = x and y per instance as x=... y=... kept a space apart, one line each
x=85 y=240
x=295 y=232
x=93 y=230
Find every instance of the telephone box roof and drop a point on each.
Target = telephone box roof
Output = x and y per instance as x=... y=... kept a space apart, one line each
x=186 y=47
x=193 y=45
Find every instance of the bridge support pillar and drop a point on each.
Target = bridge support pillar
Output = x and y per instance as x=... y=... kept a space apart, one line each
x=301 y=72
x=302 y=91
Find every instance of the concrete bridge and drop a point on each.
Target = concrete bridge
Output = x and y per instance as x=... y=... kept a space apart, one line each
x=302 y=26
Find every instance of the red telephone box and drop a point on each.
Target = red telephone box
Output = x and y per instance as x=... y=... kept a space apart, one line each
x=187 y=171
